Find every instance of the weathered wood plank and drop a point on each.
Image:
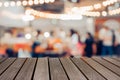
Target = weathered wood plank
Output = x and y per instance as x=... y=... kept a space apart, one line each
x=56 y=70
x=27 y=70
x=41 y=71
x=2 y=59
x=72 y=71
x=118 y=59
x=12 y=71
x=89 y=72
x=115 y=62
x=6 y=64
x=108 y=65
x=102 y=70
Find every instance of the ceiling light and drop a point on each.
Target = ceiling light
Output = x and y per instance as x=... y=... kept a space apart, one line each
x=46 y=34
x=6 y=4
x=30 y=2
x=52 y=1
x=18 y=3
x=41 y=1
x=46 y=1
x=97 y=6
x=28 y=18
x=24 y=3
x=12 y=3
x=28 y=36
x=104 y=13
x=0 y=4
x=36 y=2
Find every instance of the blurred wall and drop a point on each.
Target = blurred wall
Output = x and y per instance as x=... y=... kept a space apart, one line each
x=83 y=26
x=12 y=17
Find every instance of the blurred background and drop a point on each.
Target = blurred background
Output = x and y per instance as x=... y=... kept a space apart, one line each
x=59 y=28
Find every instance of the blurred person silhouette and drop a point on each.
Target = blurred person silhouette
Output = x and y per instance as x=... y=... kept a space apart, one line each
x=76 y=48
x=74 y=36
x=89 y=45
x=107 y=42
x=37 y=42
x=80 y=45
x=67 y=43
x=117 y=42
x=20 y=34
x=34 y=45
x=101 y=34
x=10 y=52
x=40 y=37
x=62 y=34
x=113 y=41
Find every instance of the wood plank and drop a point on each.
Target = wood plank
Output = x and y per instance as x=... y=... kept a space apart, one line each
x=56 y=70
x=2 y=59
x=42 y=72
x=12 y=71
x=102 y=70
x=115 y=62
x=27 y=70
x=118 y=59
x=72 y=71
x=108 y=65
x=89 y=72
x=6 y=64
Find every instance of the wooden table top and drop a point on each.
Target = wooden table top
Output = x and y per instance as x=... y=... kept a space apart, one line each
x=95 y=68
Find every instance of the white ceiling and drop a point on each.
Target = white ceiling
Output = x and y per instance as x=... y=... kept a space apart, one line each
x=11 y=16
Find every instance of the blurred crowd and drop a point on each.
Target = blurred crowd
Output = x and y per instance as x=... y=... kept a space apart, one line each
x=59 y=43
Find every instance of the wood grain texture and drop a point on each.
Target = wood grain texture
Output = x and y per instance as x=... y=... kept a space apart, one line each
x=95 y=68
x=118 y=58
x=42 y=71
x=27 y=70
x=102 y=70
x=89 y=72
x=56 y=70
x=2 y=59
x=117 y=63
x=12 y=71
x=6 y=64
x=108 y=65
x=72 y=71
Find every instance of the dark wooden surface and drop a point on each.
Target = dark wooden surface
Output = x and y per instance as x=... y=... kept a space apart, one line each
x=95 y=68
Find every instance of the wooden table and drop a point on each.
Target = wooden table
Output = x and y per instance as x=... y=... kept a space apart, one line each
x=95 y=68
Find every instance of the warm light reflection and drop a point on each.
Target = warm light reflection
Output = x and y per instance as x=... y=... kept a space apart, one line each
x=30 y=2
x=18 y=3
x=24 y=3
x=104 y=13
x=12 y=3
x=46 y=34
x=114 y=12
x=1 y=4
x=36 y=2
x=28 y=36
x=28 y=18
x=41 y=1
x=52 y=1
x=46 y=1
x=97 y=6
x=6 y=4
